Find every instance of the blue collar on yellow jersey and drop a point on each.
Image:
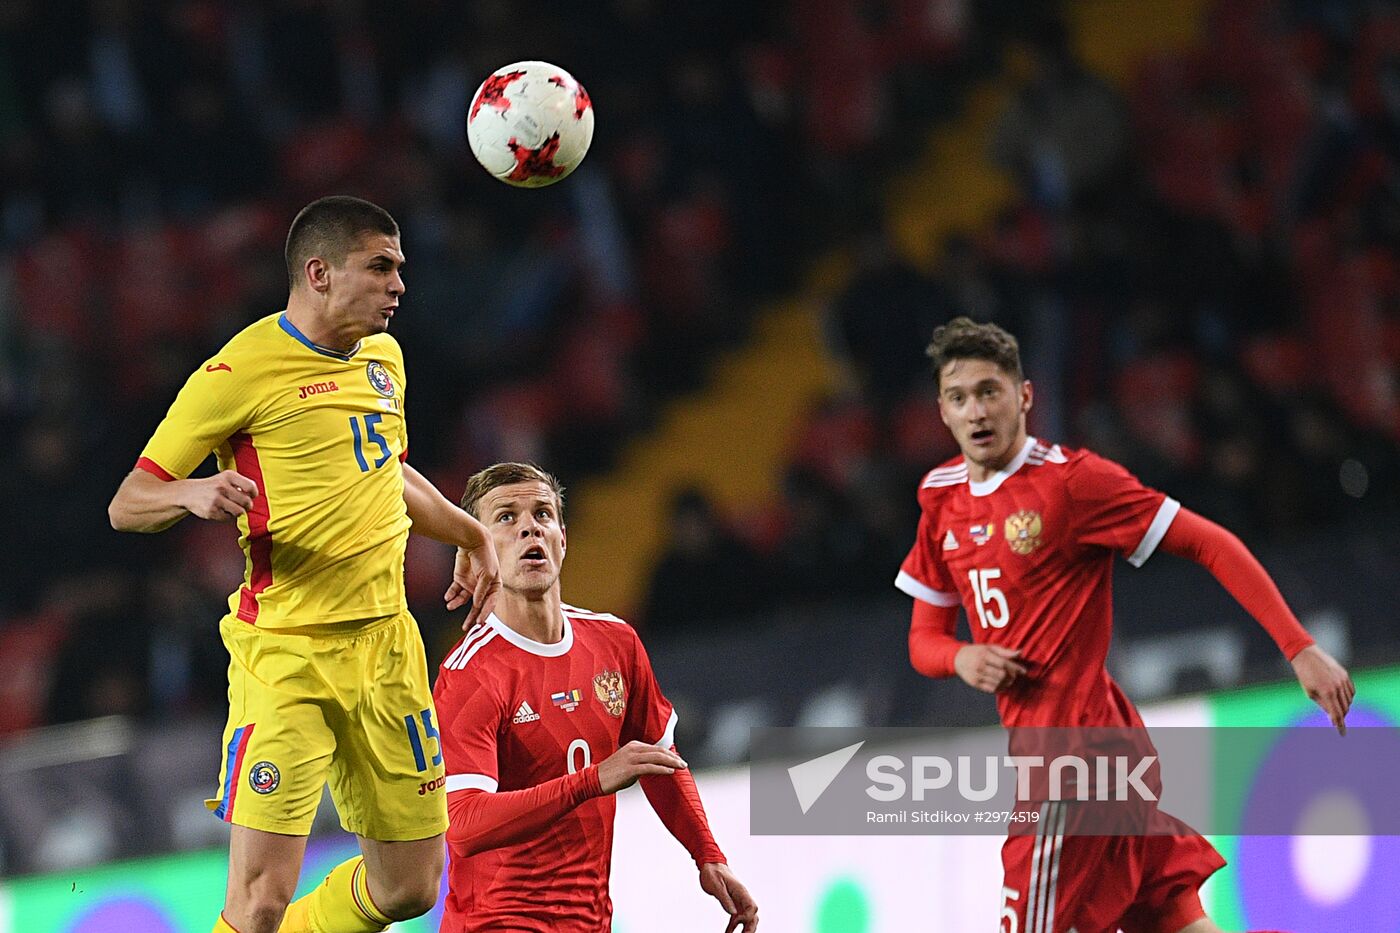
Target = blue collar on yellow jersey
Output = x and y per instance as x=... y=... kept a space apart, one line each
x=291 y=328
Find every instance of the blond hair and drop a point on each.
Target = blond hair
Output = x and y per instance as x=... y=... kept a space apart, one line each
x=508 y=474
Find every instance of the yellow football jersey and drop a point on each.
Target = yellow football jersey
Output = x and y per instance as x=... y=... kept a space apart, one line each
x=323 y=435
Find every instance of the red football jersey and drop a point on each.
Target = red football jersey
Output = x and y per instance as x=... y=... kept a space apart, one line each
x=1029 y=555
x=515 y=713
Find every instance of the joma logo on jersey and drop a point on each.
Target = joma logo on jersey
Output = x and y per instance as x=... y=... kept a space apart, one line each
x=427 y=787
x=316 y=388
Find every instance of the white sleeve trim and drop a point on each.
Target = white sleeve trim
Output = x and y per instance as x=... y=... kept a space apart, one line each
x=668 y=738
x=914 y=588
x=1155 y=531
x=471 y=782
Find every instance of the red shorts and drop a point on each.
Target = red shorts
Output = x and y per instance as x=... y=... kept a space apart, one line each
x=1056 y=882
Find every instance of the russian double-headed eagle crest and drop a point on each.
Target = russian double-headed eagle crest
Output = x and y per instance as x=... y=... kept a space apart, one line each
x=1023 y=531
x=611 y=691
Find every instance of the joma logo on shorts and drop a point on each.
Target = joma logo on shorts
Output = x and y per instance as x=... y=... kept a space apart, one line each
x=427 y=787
x=316 y=388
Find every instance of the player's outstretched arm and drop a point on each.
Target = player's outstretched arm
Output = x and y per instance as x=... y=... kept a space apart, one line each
x=477 y=573
x=1325 y=681
x=147 y=503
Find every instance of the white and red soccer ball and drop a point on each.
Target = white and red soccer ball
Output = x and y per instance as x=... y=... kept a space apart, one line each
x=529 y=124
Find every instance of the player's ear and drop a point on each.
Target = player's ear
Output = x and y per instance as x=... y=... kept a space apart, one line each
x=563 y=541
x=317 y=273
x=1027 y=396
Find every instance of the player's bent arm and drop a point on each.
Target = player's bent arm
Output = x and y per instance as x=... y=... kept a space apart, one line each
x=935 y=652
x=479 y=820
x=147 y=503
x=932 y=644
x=436 y=517
x=476 y=574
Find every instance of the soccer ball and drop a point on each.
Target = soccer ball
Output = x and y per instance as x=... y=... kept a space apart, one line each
x=530 y=124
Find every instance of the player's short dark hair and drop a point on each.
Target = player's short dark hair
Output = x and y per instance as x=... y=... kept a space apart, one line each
x=507 y=474
x=962 y=338
x=330 y=228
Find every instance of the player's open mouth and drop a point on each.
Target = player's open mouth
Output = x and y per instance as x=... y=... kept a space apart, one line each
x=534 y=556
x=388 y=312
x=983 y=436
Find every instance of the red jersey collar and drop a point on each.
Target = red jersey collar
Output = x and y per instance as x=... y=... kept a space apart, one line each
x=559 y=648
x=992 y=483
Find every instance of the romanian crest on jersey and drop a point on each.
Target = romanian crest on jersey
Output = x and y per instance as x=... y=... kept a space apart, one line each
x=264 y=777
x=1023 y=531
x=380 y=379
x=611 y=692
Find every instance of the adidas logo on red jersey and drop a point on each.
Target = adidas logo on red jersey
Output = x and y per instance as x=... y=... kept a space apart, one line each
x=525 y=714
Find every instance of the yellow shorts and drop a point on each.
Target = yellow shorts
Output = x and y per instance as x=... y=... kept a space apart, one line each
x=352 y=708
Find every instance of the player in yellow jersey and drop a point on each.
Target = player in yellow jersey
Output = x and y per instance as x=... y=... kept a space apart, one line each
x=327 y=676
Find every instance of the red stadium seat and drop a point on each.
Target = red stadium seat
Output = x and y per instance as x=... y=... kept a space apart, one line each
x=28 y=648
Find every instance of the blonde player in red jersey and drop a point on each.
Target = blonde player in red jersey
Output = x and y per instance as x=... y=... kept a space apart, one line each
x=547 y=711
x=1023 y=533
x=327 y=676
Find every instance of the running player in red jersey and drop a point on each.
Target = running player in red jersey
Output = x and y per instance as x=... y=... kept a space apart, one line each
x=1022 y=533
x=528 y=701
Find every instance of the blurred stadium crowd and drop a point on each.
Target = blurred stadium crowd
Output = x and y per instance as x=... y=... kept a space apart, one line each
x=1202 y=271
